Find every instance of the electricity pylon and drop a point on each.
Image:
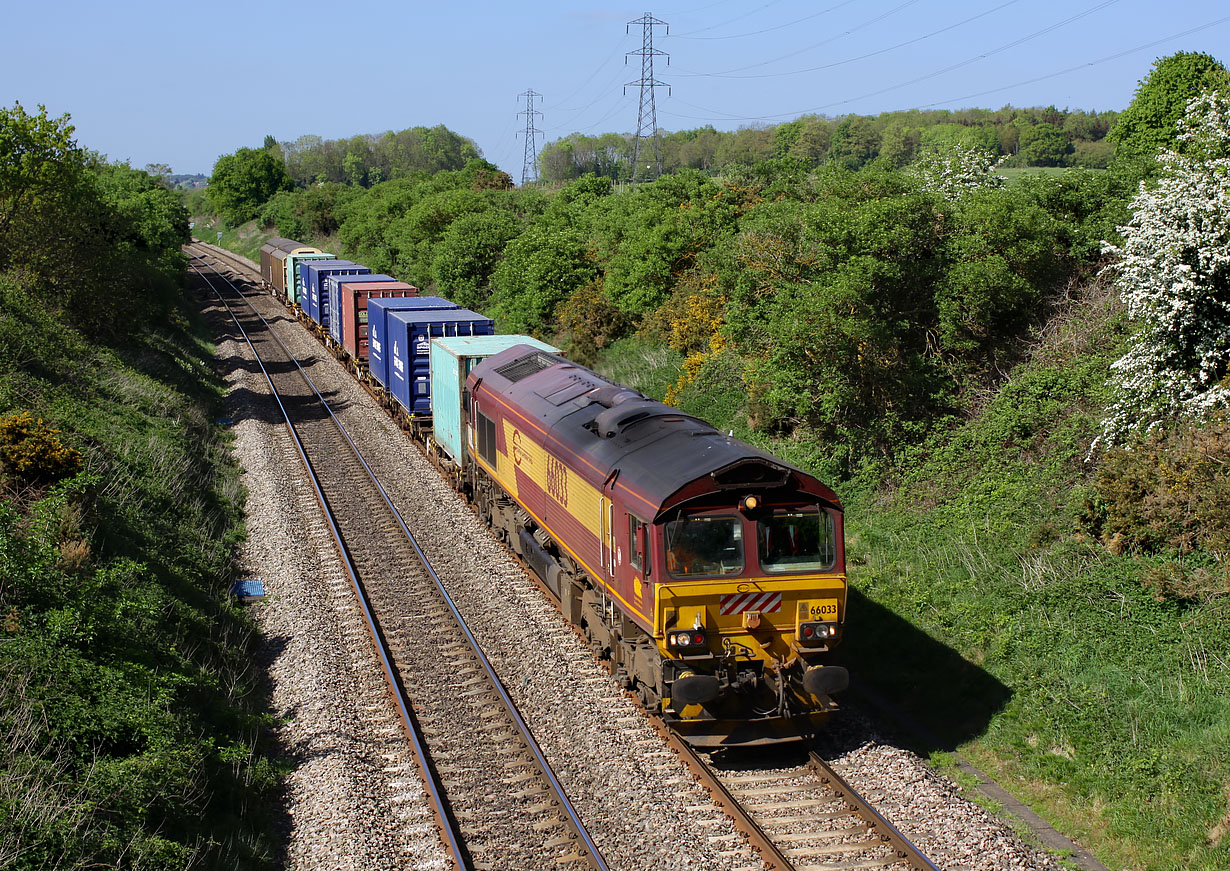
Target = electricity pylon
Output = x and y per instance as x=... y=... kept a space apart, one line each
x=529 y=168
x=647 y=115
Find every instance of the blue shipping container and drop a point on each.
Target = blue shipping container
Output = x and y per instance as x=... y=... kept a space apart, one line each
x=407 y=340
x=308 y=278
x=377 y=320
x=332 y=283
x=314 y=275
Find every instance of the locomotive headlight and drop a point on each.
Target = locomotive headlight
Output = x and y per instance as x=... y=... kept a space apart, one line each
x=749 y=503
x=814 y=633
x=686 y=639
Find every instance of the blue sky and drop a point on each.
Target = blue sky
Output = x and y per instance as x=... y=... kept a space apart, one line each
x=184 y=83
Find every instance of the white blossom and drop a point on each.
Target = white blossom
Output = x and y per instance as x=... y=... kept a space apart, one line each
x=1173 y=273
x=956 y=171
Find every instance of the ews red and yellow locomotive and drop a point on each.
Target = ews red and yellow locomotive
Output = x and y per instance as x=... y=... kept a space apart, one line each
x=710 y=573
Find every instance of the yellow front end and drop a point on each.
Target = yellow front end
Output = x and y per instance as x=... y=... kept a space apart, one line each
x=752 y=658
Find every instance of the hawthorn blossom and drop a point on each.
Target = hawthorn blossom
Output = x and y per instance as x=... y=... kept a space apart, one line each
x=1173 y=273
x=958 y=170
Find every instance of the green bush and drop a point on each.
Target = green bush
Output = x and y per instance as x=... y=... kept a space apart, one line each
x=588 y=322
x=1171 y=491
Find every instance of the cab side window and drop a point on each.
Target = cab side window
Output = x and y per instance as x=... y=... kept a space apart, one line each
x=638 y=545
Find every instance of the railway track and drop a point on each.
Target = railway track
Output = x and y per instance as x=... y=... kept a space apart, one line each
x=805 y=818
x=497 y=802
x=801 y=818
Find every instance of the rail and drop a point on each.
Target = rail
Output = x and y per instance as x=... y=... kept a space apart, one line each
x=451 y=832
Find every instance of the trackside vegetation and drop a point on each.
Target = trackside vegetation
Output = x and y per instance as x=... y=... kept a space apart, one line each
x=1003 y=336
x=131 y=732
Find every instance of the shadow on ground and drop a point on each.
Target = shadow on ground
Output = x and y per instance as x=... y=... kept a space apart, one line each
x=912 y=683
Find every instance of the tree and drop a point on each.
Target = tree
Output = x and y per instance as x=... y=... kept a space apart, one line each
x=39 y=163
x=1044 y=145
x=832 y=307
x=468 y=252
x=855 y=142
x=955 y=171
x=100 y=242
x=312 y=213
x=541 y=268
x=898 y=143
x=1149 y=122
x=747 y=145
x=244 y=181
x=659 y=234
x=1173 y=272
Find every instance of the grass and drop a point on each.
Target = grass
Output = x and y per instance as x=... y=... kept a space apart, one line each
x=1030 y=647
x=245 y=239
x=982 y=609
x=126 y=664
x=649 y=368
x=1012 y=173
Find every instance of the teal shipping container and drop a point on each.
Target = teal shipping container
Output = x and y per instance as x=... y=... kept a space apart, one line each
x=294 y=281
x=452 y=358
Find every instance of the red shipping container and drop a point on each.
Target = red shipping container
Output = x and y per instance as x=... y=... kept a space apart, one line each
x=354 y=310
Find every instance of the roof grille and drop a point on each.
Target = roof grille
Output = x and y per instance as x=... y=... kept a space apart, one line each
x=526 y=366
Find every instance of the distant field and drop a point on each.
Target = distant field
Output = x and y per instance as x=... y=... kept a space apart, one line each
x=1016 y=172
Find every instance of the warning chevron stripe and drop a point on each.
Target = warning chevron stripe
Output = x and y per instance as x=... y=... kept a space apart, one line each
x=737 y=603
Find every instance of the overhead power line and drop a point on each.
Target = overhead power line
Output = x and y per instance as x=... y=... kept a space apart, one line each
x=833 y=38
x=755 y=11
x=1091 y=63
x=850 y=60
x=765 y=30
x=1106 y=59
x=969 y=60
x=563 y=103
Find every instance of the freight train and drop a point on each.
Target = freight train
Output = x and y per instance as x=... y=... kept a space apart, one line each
x=709 y=574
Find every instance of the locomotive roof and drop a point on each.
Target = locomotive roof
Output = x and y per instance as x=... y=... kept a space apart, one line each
x=613 y=434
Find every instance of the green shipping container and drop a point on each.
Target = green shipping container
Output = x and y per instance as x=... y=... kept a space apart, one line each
x=294 y=283
x=451 y=361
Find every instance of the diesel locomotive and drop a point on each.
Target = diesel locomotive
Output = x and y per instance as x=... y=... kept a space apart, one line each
x=710 y=574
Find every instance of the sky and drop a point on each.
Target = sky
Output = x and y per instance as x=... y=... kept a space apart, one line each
x=183 y=83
